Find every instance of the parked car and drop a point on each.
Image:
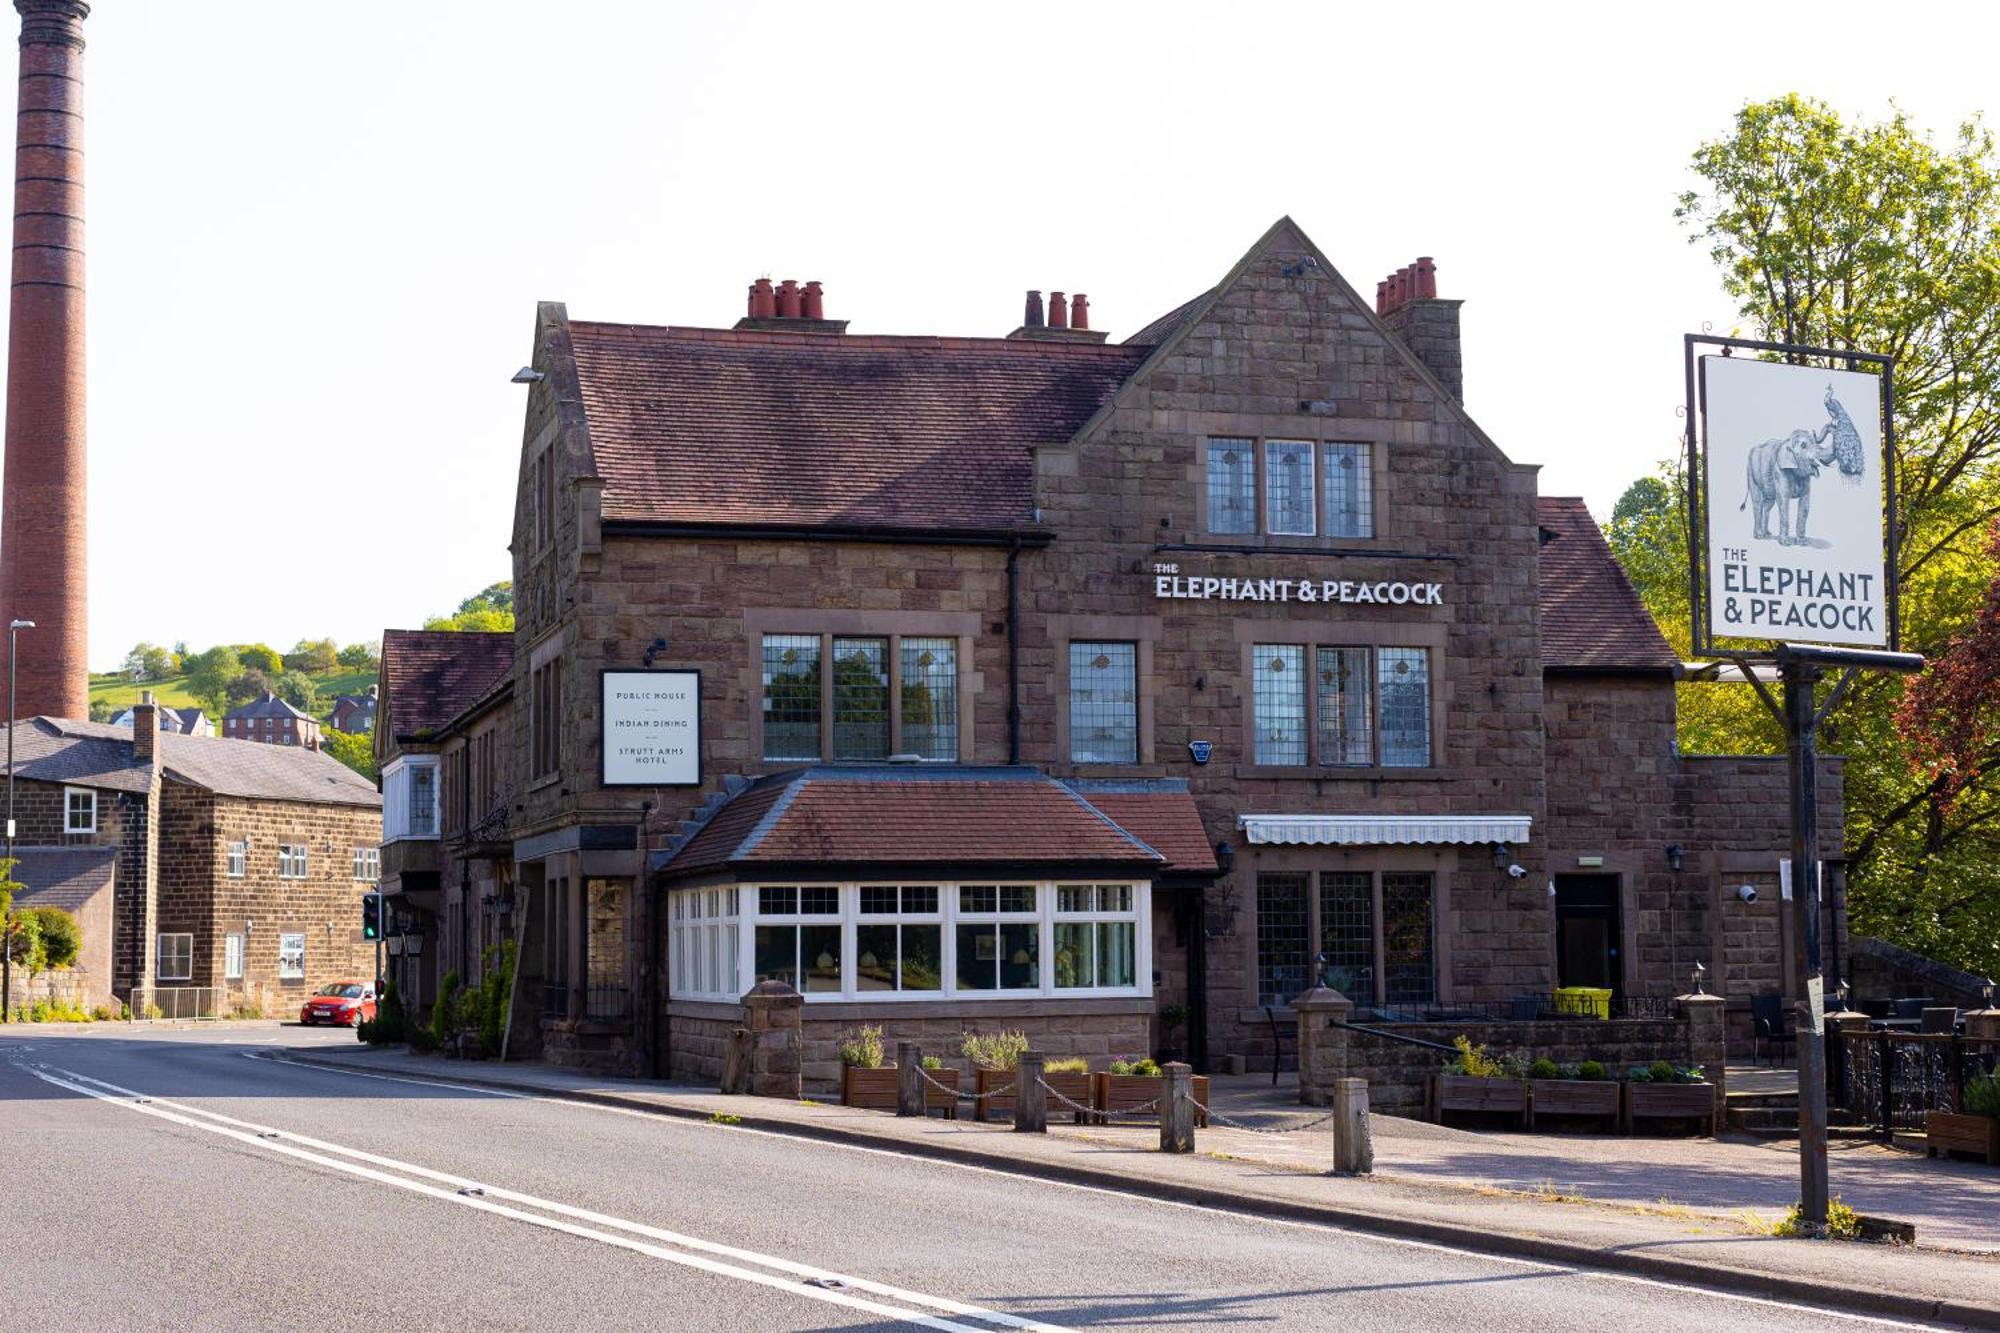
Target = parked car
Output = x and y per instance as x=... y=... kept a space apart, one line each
x=342 y=1003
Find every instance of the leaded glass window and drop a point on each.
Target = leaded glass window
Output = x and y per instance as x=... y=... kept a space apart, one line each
x=1232 y=487
x=1348 y=488
x=1278 y=702
x=1345 y=736
x=791 y=696
x=1407 y=934
x=1404 y=676
x=1281 y=936
x=1288 y=488
x=1104 y=703
x=930 y=698
x=860 y=698
x=1347 y=933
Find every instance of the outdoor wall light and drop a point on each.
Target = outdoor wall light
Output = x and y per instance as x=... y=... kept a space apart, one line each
x=1502 y=853
x=1747 y=892
x=1699 y=973
x=653 y=649
x=1225 y=856
x=1676 y=857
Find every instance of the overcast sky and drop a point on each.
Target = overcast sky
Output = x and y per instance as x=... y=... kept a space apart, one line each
x=318 y=231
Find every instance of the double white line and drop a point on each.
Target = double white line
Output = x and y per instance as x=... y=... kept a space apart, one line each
x=764 y=1270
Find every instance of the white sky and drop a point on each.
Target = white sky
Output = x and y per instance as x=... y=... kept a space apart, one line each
x=318 y=231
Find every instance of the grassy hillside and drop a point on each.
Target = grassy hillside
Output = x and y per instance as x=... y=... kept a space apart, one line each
x=119 y=691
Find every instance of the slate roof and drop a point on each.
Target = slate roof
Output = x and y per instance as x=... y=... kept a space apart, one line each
x=65 y=877
x=752 y=427
x=429 y=677
x=1592 y=617
x=97 y=754
x=956 y=816
x=268 y=706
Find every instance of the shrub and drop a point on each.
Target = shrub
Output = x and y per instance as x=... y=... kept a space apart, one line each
x=861 y=1047
x=933 y=1062
x=442 y=1011
x=1842 y=1222
x=61 y=938
x=494 y=988
x=1473 y=1061
x=1982 y=1096
x=1590 y=1069
x=247 y=1009
x=390 y=1023
x=1068 y=1064
x=994 y=1050
x=102 y=1014
x=1660 y=1071
x=1543 y=1068
x=422 y=1041
x=1173 y=1016
x=1145 y=1067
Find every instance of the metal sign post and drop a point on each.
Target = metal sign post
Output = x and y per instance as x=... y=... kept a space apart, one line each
x=1770 y=581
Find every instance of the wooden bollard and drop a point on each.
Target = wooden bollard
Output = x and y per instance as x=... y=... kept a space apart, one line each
x=1353 y=1143
x=1177 y=1108
x=909 y=1078
x=1031 y=1101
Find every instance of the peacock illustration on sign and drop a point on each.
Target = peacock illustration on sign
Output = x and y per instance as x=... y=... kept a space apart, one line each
x=1780 y=473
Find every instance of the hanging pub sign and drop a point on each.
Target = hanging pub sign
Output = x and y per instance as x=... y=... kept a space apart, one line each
x=650 y=728
x=1794 y=490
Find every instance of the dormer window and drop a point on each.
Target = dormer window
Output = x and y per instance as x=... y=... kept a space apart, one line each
x=1289 y=488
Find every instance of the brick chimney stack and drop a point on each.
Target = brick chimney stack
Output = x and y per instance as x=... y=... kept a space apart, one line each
x=145 y=729
x=1407 y=300
x=42 y=576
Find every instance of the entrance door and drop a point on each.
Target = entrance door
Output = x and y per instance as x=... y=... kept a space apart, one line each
x=1587 y=931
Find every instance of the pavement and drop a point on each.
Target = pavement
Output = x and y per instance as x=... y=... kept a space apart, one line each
x=246 y=1179
x=1681 y=1210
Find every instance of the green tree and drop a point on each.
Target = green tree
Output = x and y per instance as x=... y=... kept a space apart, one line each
x=101 y=710
x=361 y=657
x=491 y=610
x=60 y=939
x=297 y=689
x=357 y=751
x=148 y=662
x=313 y=656
x=1873 y=237
x=261 y=657
x=209 y=674
x=246 y=686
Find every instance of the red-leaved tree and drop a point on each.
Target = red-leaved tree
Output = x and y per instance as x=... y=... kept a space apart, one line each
x=1950 y=712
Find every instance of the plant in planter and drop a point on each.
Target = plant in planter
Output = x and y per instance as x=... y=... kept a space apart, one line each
x=1666 y=1091
x=1472 y=1080
x=865 y=1081
x=1973 y=1128
x=941 y=1088
x=1579 y=1089
x=1173 y=1018
x=1129 y=1087
x=996 y=1060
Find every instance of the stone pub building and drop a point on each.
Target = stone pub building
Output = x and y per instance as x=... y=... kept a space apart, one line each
x=1051 y=682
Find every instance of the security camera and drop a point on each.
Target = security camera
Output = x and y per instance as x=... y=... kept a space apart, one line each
x=1516 y=871
x=1747 y=892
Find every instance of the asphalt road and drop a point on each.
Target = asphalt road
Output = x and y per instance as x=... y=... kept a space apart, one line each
x=182 y=1180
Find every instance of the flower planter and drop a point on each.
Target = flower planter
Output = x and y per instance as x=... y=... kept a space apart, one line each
x=1073 y=1084
x=1124 y=1094
x=875 y=1089
x=1671 y=1101
x=1572 y=1096
x=1462 y=1092
x=1947 y=1132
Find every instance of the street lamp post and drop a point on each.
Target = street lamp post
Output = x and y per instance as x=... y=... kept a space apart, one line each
x=14 y=628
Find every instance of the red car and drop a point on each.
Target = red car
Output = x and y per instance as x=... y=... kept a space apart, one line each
x=343 y=1003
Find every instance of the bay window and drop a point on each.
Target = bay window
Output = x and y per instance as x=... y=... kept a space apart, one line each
x=1369 y=707
x=898 y=942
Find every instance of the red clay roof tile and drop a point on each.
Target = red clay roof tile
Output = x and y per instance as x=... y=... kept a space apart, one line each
x=429 y=677
x=1591 y=615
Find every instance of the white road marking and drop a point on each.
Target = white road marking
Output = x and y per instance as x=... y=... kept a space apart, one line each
x=1437 y=1247
x=333 y=1156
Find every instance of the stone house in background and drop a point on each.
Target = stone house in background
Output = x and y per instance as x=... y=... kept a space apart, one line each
x=234 y=870
x=983 y=627
x=189 y=721
x=271 y=721
x=354 y=713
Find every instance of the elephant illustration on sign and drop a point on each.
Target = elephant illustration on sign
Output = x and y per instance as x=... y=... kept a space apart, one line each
x=1780 y=472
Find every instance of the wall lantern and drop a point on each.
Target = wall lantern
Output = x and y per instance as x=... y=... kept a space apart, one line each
x=1225 y=856
x=1676 y=857
x=1699 y=973
x=1502 y=853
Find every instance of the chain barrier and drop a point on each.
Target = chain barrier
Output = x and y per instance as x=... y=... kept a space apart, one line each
x=1217 y=1117
x=1078 y=1107
x=960 y=1093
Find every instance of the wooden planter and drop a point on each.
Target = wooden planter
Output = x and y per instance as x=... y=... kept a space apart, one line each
x=1073 y=1085
x=875 y=1089
x=1671 y=1101
x=1947 y=1132
x=1122 y=1094
x=1462 y=1092
x=1572 y=1096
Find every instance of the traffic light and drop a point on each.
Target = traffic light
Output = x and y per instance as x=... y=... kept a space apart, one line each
x=371 y=916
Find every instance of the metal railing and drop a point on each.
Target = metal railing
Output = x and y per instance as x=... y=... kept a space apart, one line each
x=148 y=1004
x=555 y=999
x=607 y=1003
x=1892 y=1080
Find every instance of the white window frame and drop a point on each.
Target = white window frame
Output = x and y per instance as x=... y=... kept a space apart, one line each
x=294 y=860
x=287 y=948
x=691 y=913
x=70 y=795
x=232 y=957
x=1097 y=915
x=367 y=865
x=1310 y=449
x=184 y=956
x=237 y=864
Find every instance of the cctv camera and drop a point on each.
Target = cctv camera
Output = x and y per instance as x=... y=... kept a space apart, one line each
x=1747 y=892
x=1516 y=871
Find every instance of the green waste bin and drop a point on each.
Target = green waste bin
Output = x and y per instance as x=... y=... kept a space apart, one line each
x=1588 y=1001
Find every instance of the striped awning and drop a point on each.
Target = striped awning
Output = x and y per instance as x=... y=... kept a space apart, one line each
x=1383 y=830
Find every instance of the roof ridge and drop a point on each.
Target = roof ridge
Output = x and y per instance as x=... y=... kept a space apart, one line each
x=851 y=341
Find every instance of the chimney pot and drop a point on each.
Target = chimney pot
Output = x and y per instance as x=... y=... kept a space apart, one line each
x=1079 y=311
x=1058 y=311
x=1382 y=297
x=1427 y=278
x=811 y=304
x=788 y=299
x=763 y=301
x=1032 y=316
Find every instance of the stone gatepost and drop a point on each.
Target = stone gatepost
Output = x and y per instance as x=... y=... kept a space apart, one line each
x=1322 y=1046
x=1983 y=1024
x=1707 y=1041
x=773 y=1012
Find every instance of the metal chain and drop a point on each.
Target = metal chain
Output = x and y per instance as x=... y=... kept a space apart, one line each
x=1221 y=1119
x=1074 y=1106
x=959 y=1093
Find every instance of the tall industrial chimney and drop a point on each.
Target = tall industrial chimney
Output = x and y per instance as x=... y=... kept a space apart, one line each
x=42 y=576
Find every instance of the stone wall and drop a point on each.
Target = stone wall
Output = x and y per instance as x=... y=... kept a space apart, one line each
x=699 y=1034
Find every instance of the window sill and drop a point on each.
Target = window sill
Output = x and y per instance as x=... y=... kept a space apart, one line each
x=1331 y=774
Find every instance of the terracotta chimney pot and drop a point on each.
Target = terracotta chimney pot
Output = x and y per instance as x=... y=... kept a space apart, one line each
x=1058 y=311
x=1079 y=311
x=763 y=301
x=1427 y=278
x=811 y=304
x=788 y=299
x=1032 y=316
x=1382 y=297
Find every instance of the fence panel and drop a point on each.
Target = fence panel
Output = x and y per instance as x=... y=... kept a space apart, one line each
x=180 y=1004
x=1891 y=1080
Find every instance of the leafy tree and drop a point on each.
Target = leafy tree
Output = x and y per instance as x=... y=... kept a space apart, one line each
x=101 y=710
x=209 y=675
x=297 y=689
x=357 y=751
x=1871 y=236
x=247 y=685
x=148 y=662
x=361 y=656
x=313 y=656
x=180 y=656
x=490 y=609
x=59 y=939
x=261 y=657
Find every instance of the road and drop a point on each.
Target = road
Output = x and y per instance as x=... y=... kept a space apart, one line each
x=190 y=1180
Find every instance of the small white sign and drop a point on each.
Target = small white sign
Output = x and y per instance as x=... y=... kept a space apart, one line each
x=651 y=728
x=1795 y=503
